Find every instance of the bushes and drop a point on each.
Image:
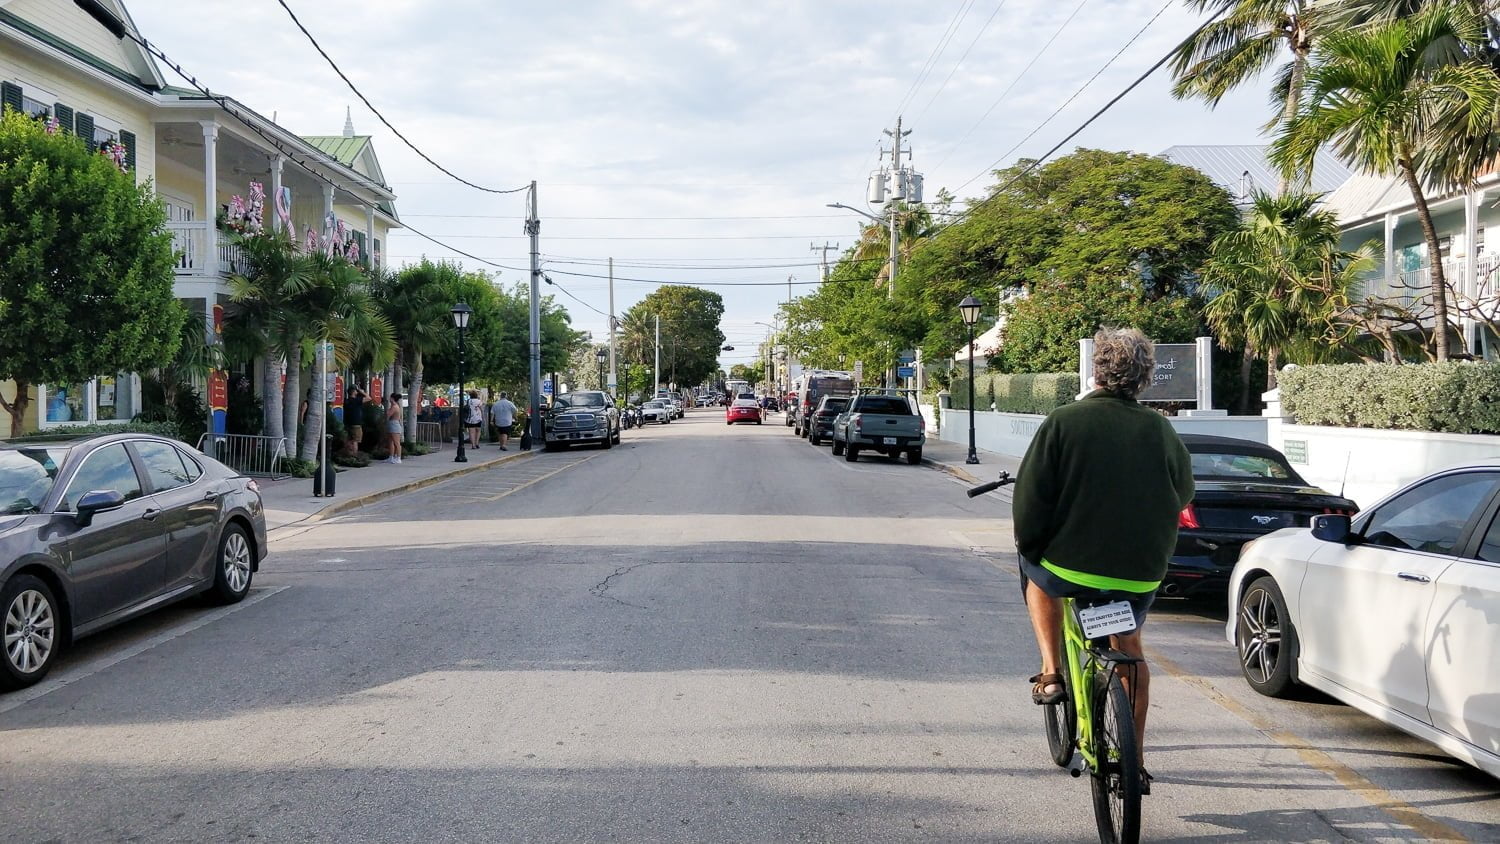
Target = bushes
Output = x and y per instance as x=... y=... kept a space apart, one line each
x=1453 y=397
x=1026 y=393
x=137 y=426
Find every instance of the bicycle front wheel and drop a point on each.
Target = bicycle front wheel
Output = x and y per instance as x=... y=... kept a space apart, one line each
x=1117 y=781
x=1061 y=724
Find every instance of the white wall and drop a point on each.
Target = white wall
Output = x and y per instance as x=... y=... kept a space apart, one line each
x=1010 y=433
x=1370 y=464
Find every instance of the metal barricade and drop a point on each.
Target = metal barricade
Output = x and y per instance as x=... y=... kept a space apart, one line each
x=256 y=456
x=431 y=433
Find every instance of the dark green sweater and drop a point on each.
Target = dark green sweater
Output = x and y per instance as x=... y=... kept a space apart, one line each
x=1100 y=489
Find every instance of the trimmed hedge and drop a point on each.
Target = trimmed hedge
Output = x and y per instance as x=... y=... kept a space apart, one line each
x=1040 y=392
x=1456 y=397
x=160 y=429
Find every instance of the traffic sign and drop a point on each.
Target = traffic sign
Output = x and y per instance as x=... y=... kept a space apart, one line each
x=859 y=369
x=907 y=356
x=546 y=386
x=905 y=372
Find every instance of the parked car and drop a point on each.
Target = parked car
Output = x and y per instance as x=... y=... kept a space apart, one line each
x=583 y=416
x=672 y=402
x=880 y=422
x=791 y=410
x=811 y=387
x=656 y=411
x=97 y=530
x=743 y=410
x=1245 y=489
x=820 y=422
x=1395 y=612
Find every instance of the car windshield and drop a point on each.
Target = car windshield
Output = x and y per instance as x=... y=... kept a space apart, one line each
x=886 y=405
x=834 y=405
x=654 y=405
x=595 y=400
x=26 y=476
x=1228 y=465
x=745 y=403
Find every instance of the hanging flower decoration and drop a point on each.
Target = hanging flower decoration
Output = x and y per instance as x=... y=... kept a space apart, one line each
x=311 y=240
x=53 y=127
x=114 y=151
x=255 y=209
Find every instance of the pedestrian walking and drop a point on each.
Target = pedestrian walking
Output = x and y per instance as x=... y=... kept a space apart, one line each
x=503 y=414
x=354 y=417
x=473 y=418
x=393 y=428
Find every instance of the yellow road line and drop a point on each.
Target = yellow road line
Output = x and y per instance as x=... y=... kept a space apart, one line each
x=538 y=480
x=1399 y=810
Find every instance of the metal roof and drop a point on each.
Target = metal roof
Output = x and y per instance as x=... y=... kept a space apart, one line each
x=1240 y=169
x=344 y=150
x=1364 y=194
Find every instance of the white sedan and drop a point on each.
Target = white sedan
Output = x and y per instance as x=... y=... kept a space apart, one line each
x=656 y=411
x=1396 y=613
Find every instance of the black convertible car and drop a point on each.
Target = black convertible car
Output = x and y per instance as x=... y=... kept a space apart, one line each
x=1245 y=489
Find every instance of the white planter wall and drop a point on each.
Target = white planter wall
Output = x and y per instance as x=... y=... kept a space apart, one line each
x=1370 y=464
x=1010 y=433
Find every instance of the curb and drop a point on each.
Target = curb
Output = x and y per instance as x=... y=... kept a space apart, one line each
x=371 y=497
x=950 y=469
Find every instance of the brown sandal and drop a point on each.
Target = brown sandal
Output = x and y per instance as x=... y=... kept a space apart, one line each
x=1039 y=694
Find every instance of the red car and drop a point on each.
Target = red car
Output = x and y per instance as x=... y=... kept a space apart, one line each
x=742 y=410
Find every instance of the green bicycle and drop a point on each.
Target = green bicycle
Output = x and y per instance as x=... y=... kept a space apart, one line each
x=1093 y=727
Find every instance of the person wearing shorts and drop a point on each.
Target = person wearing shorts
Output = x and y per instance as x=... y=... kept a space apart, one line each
x=1096 y=505
x=393 y=429
x=473 y=418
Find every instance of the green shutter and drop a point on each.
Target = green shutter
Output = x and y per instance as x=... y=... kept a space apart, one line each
x=376 y=253
x=127 y=140
x=10 y=95
x=85 y=127
x=364 y=255
x=64 y=117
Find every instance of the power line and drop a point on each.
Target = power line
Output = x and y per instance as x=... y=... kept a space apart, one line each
x=937 y=52
x=1013 y=83
x=376 y=112
x=1075 y=95
x=960 y=63
x=1037 y=162
x=718 y=283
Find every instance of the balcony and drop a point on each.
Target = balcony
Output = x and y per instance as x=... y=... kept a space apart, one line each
x=202 y=252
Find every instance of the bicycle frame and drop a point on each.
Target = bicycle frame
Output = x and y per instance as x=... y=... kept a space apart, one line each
x=1085 y=663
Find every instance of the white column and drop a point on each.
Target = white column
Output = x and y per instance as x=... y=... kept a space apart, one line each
x=1390 y=253
x=370 y=233
x=210 y=195
x=1470 y=285
x=276 y=164
x=327 y=209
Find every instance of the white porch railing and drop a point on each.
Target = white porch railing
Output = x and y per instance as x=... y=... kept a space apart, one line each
x=1410 y=287
x=201 y=251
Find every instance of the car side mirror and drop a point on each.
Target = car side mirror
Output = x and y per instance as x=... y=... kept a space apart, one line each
x=1333 y=528
x=97 y=501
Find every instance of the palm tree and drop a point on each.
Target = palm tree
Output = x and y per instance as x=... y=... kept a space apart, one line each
x=913 y=225
x=1375 y=94
x=342 y=312
x=415 y=302
x=1277 y=281
x=1245 y=39
x=266 y=318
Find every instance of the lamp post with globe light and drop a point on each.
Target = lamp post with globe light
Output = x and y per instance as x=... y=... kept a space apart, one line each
x=461 y=313
x=969 y=310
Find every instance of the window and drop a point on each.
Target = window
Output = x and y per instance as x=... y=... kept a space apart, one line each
x=1445 y=246
x=1479 y=241
x=887 y=405
x=108 y=467
x=1264 y=466
x=26 y=476
x=1432 y=516
x=164 y=466
x=1489 y=548
x=103 y=135
x=67 y=403
x=110 y=398
x=35 y=107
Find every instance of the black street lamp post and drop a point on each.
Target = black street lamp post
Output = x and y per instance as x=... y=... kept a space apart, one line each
x=601 y=356
x=461 y=314
x=969 y=310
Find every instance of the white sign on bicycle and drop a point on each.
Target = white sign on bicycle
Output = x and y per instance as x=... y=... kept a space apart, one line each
x=1106 y=619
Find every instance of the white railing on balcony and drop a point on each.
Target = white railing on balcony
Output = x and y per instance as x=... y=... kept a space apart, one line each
x=191 y=242
x=1410 y=287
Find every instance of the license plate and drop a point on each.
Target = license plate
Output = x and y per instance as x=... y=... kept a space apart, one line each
x=890 y=440
x=1106 y=619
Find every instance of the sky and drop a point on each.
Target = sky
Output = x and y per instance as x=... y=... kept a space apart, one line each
x=694 y=141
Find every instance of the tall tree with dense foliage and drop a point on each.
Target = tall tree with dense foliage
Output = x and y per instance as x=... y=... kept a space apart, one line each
x=85 y=266
x=690 y=335
x=1379 y=97
x=343 y=312
x=266 y=319
x=415 y=300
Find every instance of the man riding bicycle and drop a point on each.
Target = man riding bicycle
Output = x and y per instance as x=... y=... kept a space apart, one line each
x=1096 y=507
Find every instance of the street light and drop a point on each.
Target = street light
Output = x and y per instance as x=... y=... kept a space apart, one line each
x=600 y=355
x=461 y=314
x=969 y=310
x=855 y=210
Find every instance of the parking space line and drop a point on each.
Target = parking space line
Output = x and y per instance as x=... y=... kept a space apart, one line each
x=88 y=669
x=542 y=477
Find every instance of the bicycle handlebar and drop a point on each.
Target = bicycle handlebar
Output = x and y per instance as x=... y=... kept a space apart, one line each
x=1005 y=479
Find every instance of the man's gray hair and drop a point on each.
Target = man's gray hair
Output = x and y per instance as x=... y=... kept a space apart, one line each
x=1124 y=361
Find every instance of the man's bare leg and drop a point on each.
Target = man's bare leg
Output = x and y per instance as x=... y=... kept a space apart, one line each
x=1046 y=624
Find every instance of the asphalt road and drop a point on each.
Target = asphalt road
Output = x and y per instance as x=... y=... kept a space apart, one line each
x=707 y=634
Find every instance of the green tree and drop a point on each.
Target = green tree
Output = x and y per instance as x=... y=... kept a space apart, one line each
x=85 y=266
x=1042 y=329
x=753 y=373
x=1377 y=95
x=1278 y=281
x=265 y=318
x=498 y=337
x=690 y=335
x=416 y=303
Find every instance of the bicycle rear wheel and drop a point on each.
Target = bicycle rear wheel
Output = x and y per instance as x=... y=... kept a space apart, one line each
x=1117 y=782
x=1061 y=724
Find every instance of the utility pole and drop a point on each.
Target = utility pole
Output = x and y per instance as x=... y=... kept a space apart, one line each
x=823 y=259
x=898 y=192
x=614 y=382
x=534 y=230
x=656 y=367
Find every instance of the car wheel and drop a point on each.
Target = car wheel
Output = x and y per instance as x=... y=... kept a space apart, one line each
x=813 y=439
x=851 y=453
x=30 y=625
x=838 y=447
x=1265 y=639
x=609 y=441
x=234 y=567
x=617 y=436
x=914 y=457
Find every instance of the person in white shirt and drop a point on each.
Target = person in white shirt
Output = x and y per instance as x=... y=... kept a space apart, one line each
x=503 y=415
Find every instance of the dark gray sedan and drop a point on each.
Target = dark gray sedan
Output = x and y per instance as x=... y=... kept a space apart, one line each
x=98 y=530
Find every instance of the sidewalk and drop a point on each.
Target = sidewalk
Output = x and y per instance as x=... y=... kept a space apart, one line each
x=950 y=458
x=291 y=501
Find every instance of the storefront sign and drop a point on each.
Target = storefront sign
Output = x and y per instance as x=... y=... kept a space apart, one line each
x=1176 y=377
x=377 y=389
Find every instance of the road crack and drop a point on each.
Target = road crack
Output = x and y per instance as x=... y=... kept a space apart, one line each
x=601 y=589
